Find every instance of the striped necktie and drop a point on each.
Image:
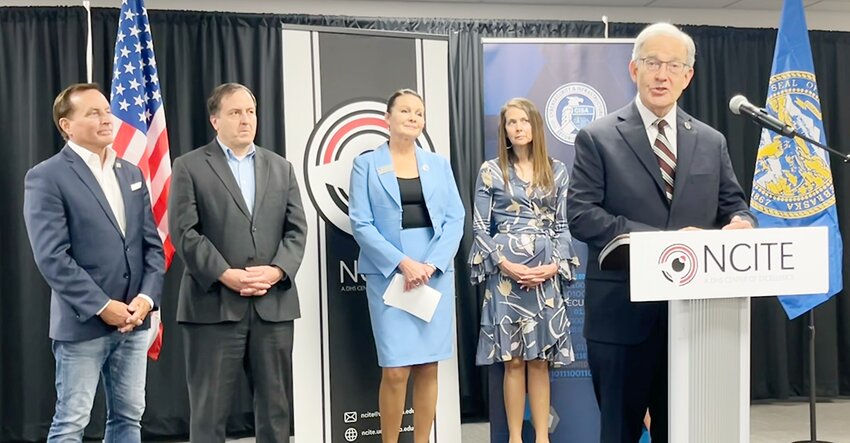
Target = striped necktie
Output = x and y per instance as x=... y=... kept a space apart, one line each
x=666 y=159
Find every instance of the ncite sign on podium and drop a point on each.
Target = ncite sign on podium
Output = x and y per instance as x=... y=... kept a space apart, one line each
x=708 y=277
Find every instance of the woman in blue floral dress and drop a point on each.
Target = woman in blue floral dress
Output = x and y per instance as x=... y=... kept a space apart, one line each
x=523 y=254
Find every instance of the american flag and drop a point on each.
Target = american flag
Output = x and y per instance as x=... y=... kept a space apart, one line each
x=139 y=120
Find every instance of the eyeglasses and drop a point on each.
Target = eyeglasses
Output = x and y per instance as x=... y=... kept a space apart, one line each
x=654 y=65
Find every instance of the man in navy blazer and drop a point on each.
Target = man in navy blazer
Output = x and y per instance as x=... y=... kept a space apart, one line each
x=646 y=167
x=93 y=237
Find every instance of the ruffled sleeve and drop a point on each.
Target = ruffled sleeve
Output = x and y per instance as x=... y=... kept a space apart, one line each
x=485 y=254
x=563 y=252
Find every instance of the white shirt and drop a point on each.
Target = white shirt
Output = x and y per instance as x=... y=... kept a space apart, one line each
x=104 y=173
x=649 y=118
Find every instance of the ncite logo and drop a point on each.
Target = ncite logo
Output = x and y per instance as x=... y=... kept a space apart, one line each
x=338 y=138
x=678 y=264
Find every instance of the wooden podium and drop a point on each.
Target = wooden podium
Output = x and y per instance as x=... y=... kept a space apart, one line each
x=708 y=277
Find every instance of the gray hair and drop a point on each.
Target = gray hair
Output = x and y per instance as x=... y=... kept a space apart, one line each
x=657 y=29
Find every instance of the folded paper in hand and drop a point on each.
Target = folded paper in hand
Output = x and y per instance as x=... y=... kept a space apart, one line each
x=420 y=301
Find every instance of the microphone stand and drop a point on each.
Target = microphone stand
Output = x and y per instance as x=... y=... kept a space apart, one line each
x=813 y=428
x=844 y=157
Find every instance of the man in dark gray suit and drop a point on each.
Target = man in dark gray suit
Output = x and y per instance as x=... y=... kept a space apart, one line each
x=93 y=236
x=646 y=167
x=237 y=223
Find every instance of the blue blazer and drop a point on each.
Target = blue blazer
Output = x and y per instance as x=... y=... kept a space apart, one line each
x=375 y=211
x=79 y=248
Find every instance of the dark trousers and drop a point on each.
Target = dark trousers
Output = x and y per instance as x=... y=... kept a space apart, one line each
x=628 y=380
x=215 y=355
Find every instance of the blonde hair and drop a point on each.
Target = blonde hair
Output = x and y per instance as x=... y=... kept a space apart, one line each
x=542 y=176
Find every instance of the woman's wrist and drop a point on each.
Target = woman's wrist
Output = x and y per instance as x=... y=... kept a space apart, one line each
x=405 y=263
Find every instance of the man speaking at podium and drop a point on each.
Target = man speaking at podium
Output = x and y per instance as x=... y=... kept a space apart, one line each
x=646 y=167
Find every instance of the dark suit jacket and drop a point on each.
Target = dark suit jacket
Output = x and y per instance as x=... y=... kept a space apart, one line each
x=79 y=248
x=616 y=187
x=212 y=230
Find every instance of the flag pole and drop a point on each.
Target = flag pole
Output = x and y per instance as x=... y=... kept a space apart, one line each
x=813 y=427
x=89 y=50
x=605 y=22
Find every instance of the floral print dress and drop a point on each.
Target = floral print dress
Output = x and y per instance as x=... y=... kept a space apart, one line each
x=525 y=225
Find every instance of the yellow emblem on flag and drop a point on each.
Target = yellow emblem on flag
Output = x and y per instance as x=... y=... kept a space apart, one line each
x=792 y=177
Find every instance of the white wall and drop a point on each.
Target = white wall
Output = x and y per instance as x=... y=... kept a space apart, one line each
x=825 y=20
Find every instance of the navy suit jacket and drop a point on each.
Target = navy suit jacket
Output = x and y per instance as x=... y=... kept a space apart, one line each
x=375 y=211
x=616 y=188
x=79 y=248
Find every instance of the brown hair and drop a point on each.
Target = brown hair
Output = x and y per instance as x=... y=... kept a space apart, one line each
x=224 y=90
x=543 y=175
x=62 y=106
x=399 y=93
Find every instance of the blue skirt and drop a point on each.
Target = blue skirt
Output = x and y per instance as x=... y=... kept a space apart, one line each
x=403 y=339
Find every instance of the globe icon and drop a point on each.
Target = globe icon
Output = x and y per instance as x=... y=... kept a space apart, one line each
x=350 y=434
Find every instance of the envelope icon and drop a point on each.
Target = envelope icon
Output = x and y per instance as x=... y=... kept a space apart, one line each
x=350 y=416
x=136 y=186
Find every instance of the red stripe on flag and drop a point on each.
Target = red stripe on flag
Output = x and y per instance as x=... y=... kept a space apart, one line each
x=161 y=203
x=156 y=346
x=160 y=150
x=144 y=165
x=168 y=249
x=122 y=138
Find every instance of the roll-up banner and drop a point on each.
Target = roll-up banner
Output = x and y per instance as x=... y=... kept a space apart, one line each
x=572 y=82
x=335 y=85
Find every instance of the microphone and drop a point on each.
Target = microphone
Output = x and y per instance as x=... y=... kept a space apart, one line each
x=739 y=105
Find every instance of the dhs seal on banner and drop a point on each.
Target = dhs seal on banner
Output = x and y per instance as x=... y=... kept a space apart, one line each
x=570 y=108
x=341 y=135
x=792 y=178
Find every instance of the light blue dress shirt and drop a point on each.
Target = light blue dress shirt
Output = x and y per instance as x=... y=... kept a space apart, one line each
x=243 y=172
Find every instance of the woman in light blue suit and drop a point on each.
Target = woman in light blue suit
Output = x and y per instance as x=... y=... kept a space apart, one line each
x=407 y=218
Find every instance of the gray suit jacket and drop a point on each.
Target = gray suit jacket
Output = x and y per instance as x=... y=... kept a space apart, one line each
x=616 y=187
x=212 y=230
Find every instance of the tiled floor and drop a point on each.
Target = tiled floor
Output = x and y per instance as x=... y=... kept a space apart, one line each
x=769 y=423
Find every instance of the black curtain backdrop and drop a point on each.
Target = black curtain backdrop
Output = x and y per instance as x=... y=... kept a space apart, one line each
x=40 y=53
x=43 y=49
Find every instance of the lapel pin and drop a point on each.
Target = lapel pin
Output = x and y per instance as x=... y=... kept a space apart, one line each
x=118 y=165
x=688 y=126
x=385 y=169
x=425 y=167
